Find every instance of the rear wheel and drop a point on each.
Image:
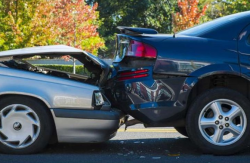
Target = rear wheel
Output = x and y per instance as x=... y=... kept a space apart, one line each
x=218 y=121
x=182 y=130
x=25 y=125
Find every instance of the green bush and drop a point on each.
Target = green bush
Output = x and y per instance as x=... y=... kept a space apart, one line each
x=66 y=68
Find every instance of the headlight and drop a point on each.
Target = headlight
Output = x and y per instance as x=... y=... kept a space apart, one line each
x=98 y=99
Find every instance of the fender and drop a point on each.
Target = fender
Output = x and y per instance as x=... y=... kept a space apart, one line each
x=195 y=76
x=55 y=92
x=245 y=72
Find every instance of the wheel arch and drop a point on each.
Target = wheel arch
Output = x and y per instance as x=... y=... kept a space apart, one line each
x=4 y=94
x=229 y=80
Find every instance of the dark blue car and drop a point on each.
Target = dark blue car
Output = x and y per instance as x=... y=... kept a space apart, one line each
x=196 y=81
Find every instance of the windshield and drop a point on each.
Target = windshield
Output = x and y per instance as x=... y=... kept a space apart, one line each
x=209 y=26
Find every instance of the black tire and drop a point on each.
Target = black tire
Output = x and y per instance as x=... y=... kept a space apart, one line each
x=182 y=131
x=193 y=118
x=45 y=119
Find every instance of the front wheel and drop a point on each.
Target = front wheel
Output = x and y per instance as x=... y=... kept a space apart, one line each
x=25 y=125
x=218 y=123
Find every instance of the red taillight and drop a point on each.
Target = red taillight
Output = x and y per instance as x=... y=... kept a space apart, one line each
x=133 y=74
x=139 y=49
x=132 y=77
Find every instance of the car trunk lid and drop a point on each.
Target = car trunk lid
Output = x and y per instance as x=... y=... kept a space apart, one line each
x=137 y=47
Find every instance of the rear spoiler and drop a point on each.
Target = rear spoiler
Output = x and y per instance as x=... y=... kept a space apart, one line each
x=136 y=31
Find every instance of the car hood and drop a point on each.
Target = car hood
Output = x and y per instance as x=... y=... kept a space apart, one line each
x=103 y=65
x=91 y=63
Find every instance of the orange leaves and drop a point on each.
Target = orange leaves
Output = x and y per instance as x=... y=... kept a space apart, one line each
x=189 y=14
x=75 y=23
x=66 y=57
x=44 y=22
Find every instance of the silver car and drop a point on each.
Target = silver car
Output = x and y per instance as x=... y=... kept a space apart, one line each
x=41 y=105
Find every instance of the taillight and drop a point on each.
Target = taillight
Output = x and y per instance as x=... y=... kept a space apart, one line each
x=139 y=49
x=133 y=74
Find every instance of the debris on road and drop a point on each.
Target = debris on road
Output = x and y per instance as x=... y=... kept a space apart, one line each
x=156 y=158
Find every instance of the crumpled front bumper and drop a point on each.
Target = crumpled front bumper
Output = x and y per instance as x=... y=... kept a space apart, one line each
x=86 y=126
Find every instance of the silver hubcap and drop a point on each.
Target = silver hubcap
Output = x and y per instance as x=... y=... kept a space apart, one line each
x=222 y=122
x=19 y=126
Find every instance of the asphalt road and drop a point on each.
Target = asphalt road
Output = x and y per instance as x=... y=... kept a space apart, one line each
x=136 y=145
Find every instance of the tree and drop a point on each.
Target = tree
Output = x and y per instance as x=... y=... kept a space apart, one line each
x=26 y=23
x=136 y=13
x=22 y=24
x=76 y=23
x=189 y=14
x=219 y=8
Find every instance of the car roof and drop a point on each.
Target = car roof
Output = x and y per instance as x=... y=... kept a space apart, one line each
x=224 y=28
x=41 y=50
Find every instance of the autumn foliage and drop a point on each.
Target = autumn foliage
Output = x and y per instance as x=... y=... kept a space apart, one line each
x=42 y=22
x=75 y=24
x=189 y=14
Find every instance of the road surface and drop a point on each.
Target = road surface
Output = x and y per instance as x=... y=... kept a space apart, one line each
x=138 y=144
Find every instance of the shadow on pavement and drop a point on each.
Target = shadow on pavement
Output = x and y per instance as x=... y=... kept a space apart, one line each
x=158 y=147
x=152 y=150
x=137 y=146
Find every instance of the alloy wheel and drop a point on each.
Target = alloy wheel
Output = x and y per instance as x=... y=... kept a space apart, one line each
x=222 y=122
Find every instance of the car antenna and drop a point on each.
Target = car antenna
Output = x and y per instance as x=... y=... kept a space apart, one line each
x=171 y=14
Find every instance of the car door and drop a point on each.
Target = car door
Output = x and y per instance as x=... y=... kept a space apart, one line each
x=244 y=51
